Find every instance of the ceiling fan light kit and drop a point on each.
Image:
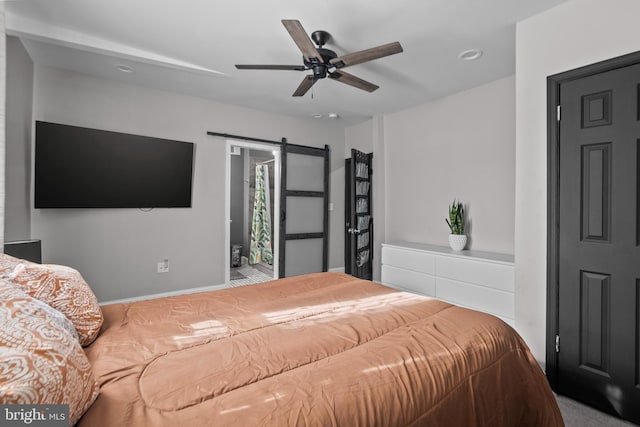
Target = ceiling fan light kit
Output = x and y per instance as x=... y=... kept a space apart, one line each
x=324 y=62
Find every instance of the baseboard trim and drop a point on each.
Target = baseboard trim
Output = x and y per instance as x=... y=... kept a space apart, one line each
x=337 y=270
x=165 y=294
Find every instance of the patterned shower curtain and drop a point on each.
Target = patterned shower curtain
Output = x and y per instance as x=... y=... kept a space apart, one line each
x=261 y=223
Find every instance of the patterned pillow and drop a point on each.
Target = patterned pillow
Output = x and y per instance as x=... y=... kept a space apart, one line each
x=8 y=263
x=41 y=361
x=64 y=289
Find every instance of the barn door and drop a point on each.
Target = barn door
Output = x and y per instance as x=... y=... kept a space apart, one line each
x=599 y=237
x=304 y=206
x=358 y=219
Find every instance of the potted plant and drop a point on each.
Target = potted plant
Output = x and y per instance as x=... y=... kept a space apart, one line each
x=457 y=238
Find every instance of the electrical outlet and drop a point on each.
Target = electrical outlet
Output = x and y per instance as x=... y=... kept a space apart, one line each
x=163 y=266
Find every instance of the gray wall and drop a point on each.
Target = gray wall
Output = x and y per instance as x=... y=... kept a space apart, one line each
x=117 y=250
x=3 y=79
x=598 y=31
x=460 y=146
x=360 y=137
x=237 y=227
x=19 y=123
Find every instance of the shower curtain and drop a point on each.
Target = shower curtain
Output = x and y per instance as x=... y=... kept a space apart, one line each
x=261 y=223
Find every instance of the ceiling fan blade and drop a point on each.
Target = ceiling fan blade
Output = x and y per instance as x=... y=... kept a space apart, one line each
x=271 y=67
x=366 y=55
x=352 y=80
x=305 y=85
x=301 y=38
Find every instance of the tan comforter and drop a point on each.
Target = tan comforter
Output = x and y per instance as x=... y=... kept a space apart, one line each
x=317 y=350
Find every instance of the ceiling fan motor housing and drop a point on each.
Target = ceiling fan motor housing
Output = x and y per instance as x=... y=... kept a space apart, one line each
x=320 y=68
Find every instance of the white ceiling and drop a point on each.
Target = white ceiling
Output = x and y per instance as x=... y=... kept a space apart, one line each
x=191 y=46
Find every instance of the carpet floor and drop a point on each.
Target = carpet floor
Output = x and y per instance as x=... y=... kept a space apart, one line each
x=575 y=414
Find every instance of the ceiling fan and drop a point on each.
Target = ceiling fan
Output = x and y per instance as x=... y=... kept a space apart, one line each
x=324 y=62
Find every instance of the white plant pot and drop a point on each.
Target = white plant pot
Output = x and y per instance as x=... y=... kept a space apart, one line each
x=457 y=241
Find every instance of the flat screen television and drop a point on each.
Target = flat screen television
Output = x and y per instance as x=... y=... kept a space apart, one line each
x=77 y=167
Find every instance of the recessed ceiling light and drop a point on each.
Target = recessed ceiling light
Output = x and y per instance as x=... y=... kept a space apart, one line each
x=470 y=55
x=333 y=115
x=124 y=68
x=316 y=116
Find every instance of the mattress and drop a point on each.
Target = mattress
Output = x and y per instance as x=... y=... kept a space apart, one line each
x=322 y=349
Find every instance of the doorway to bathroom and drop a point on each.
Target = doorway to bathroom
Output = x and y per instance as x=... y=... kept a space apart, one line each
x=253 y=202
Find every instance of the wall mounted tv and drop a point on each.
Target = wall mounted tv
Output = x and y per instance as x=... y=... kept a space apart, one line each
x=77 y=167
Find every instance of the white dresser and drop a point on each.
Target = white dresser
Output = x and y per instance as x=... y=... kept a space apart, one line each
x=483 y=281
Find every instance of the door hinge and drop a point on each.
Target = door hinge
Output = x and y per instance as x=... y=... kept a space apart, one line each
x=557 y=343
x=558 y=109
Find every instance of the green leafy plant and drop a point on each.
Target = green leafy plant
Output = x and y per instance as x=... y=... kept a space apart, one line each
x=456 y=218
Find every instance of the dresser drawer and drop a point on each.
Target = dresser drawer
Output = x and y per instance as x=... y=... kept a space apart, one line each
x=493 y=275
x=408 y=280
x=478 y=297
x=411 y=260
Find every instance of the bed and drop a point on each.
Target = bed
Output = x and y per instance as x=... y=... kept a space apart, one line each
x=323 y=349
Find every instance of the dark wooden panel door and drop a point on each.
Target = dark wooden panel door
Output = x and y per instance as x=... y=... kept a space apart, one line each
x=358 y=218
x=349 y=252
x=599 y=257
